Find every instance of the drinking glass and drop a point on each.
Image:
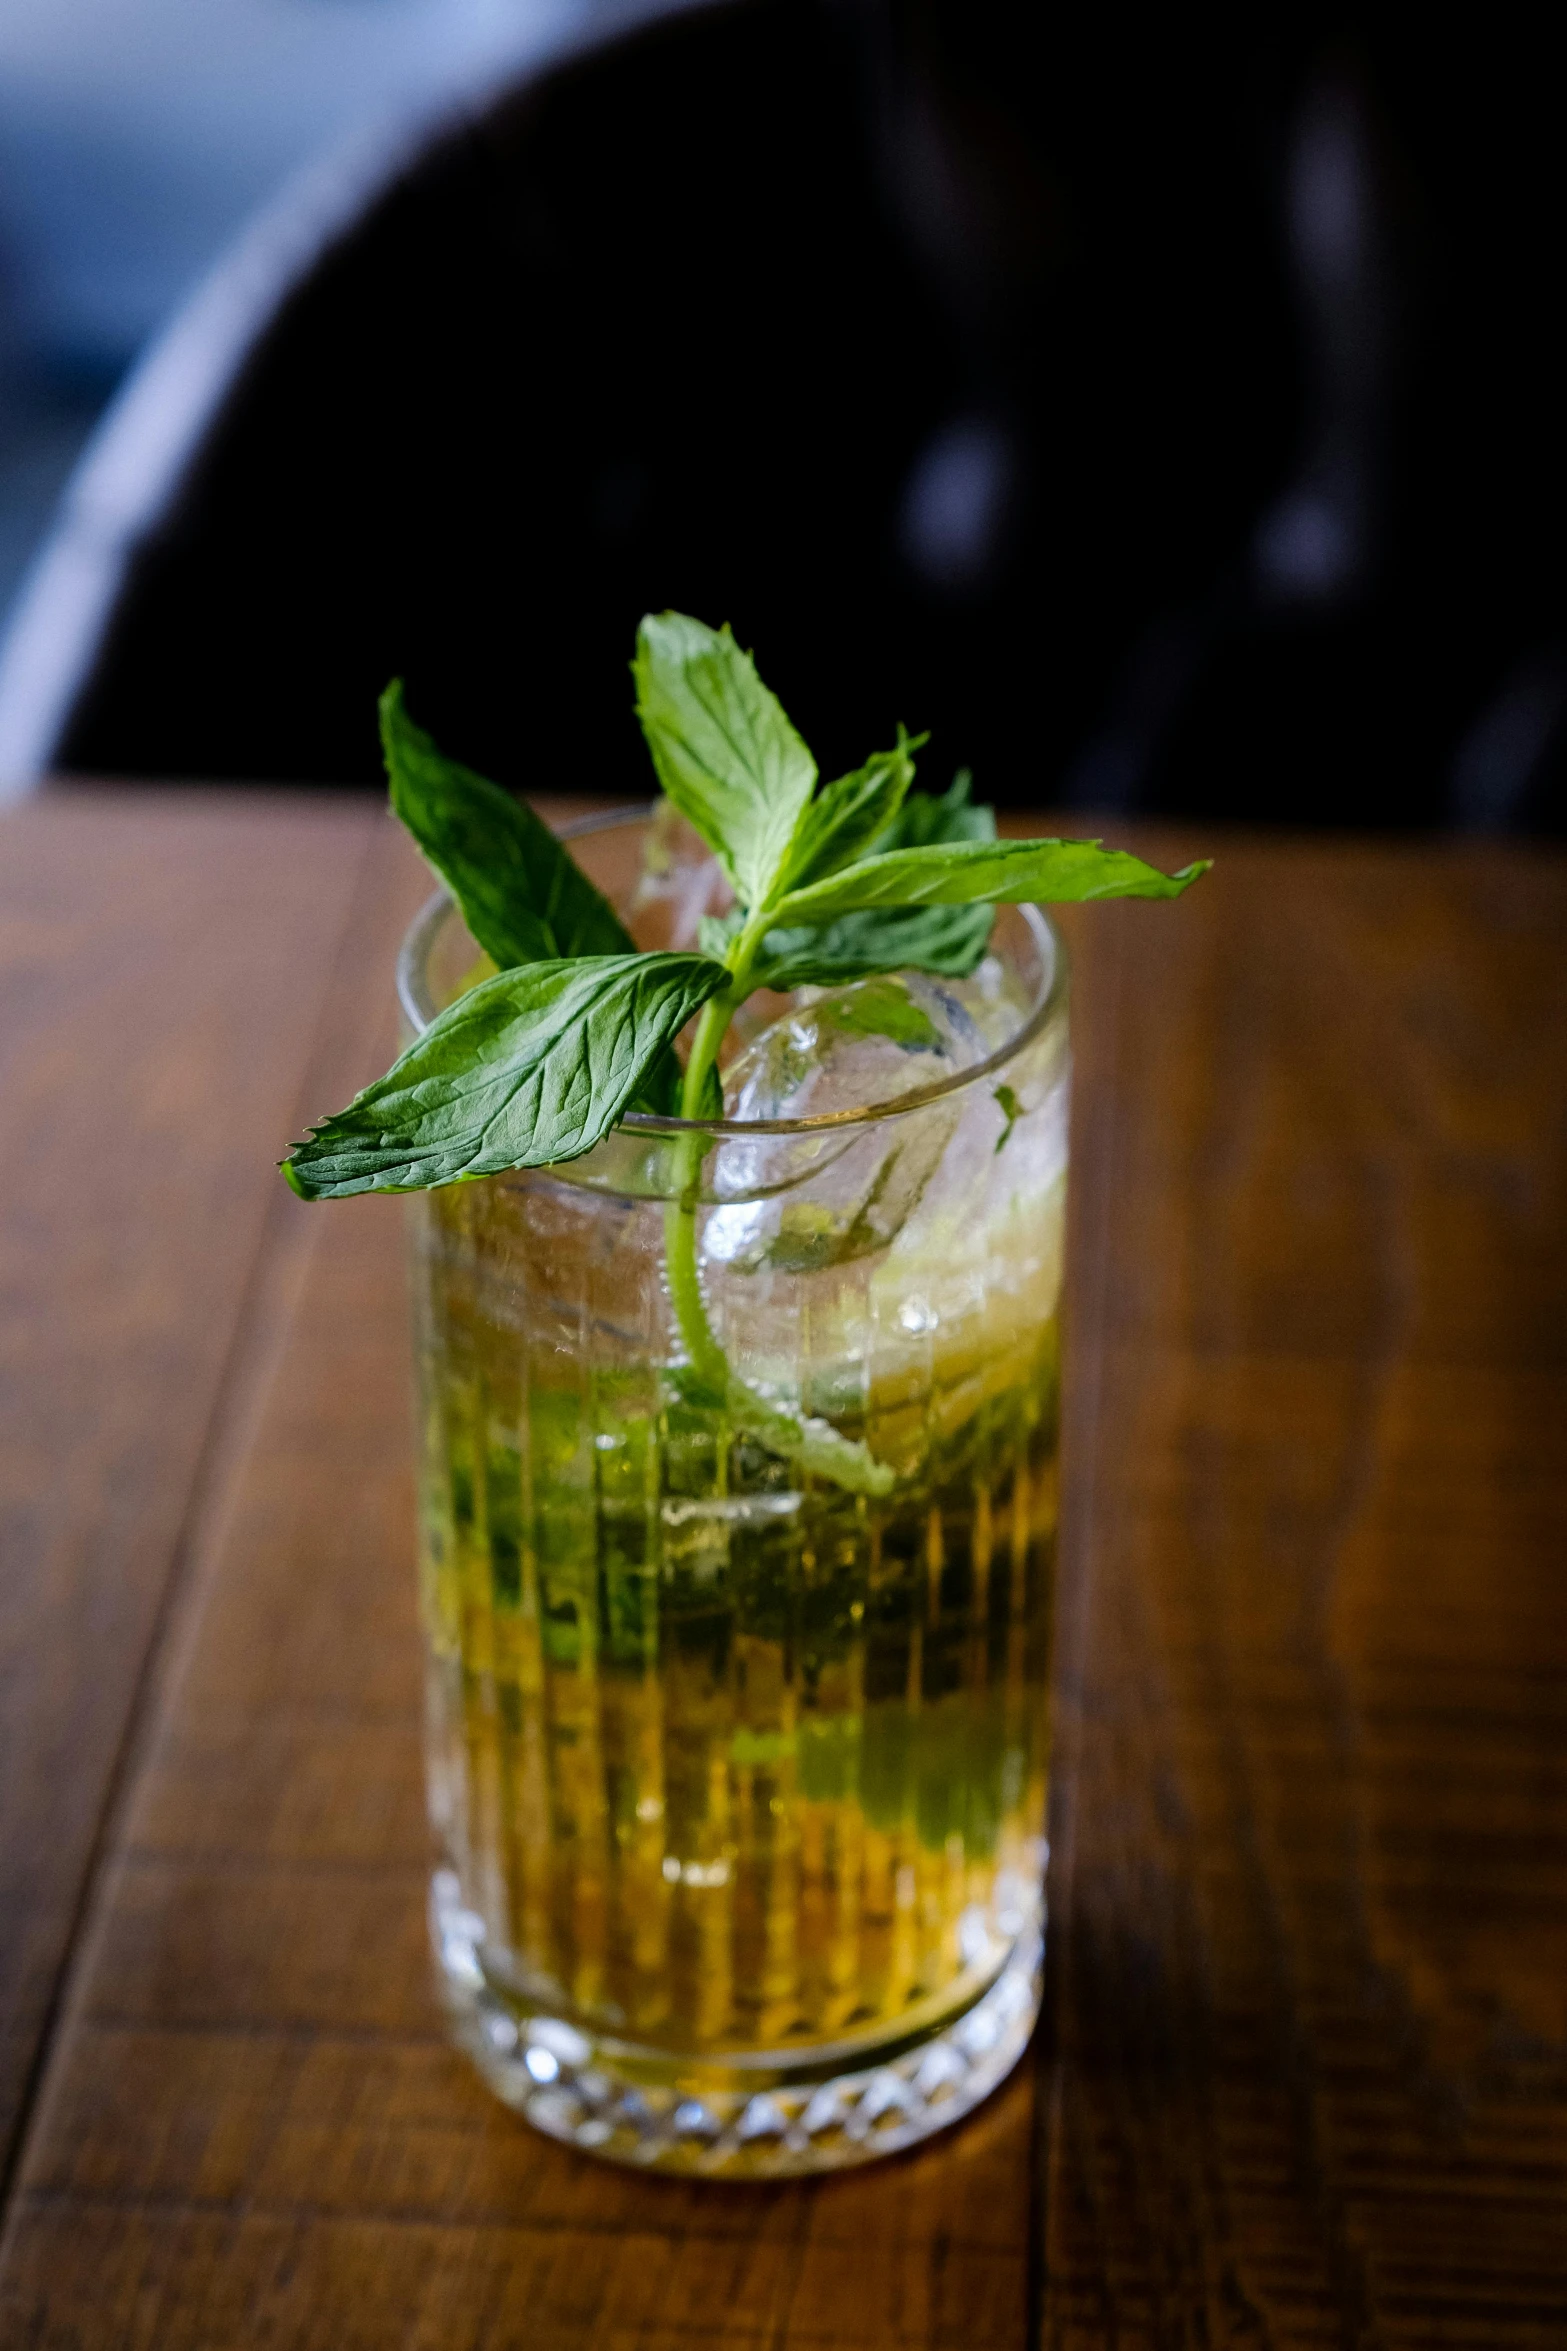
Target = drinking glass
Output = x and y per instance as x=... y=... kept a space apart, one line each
x=737 y=1775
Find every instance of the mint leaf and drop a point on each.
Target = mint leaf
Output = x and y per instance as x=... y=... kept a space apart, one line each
x=725 y=753
x=712 y=1102
x=529 y=1068
x=522 y=895
x=1011 y=1110
x=939 y=816
x=959 y=873
x=846 y=817
x=717 y=933
x=659 y=1093
x=949 y=940
x=881 y=1009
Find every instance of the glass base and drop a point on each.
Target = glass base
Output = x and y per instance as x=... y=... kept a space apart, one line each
x=770 y=2115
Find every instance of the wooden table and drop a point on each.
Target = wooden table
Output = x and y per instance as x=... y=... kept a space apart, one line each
x=1304 y=2074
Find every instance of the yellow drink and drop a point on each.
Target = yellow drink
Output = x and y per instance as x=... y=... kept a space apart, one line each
x=738 y=1776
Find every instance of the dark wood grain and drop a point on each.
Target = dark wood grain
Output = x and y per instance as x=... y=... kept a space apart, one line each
x=251 y=2129
x=163 y=967
x=1306 y=2077
x=1309 y=2069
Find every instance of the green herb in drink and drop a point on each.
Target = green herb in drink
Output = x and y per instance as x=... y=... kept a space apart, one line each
x=536 y=1064
x=1011 y=1110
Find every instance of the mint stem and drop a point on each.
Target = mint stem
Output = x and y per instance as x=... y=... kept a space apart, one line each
x=708 y=1359
x=815 y=1444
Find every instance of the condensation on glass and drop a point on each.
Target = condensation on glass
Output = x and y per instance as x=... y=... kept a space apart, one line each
x=738 y=1778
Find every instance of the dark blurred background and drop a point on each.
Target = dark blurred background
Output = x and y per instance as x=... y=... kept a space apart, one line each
x=1166 y=414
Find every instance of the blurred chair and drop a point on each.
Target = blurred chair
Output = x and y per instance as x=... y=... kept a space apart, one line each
x=1163 y=418
x=136 y=468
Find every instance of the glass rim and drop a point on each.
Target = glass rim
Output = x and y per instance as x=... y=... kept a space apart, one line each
x=417 y=1010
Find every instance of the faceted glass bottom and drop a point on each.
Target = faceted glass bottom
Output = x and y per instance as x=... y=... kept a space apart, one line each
x=766 y=2116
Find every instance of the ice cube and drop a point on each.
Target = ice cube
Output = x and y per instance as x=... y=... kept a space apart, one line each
x=994 y=1000
x=975 y=1267
x=802 y=1204
x=852 y=1206
x=843 y=1264
x=854 y=1048
x=799 y=1205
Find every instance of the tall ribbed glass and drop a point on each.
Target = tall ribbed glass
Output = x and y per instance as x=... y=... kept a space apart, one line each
x=737 y=1776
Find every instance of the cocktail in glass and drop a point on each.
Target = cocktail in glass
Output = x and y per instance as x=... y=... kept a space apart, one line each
x=738 y=1773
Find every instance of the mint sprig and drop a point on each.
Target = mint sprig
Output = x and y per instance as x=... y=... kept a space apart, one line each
x=529 y=1068
x=536 y=1065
